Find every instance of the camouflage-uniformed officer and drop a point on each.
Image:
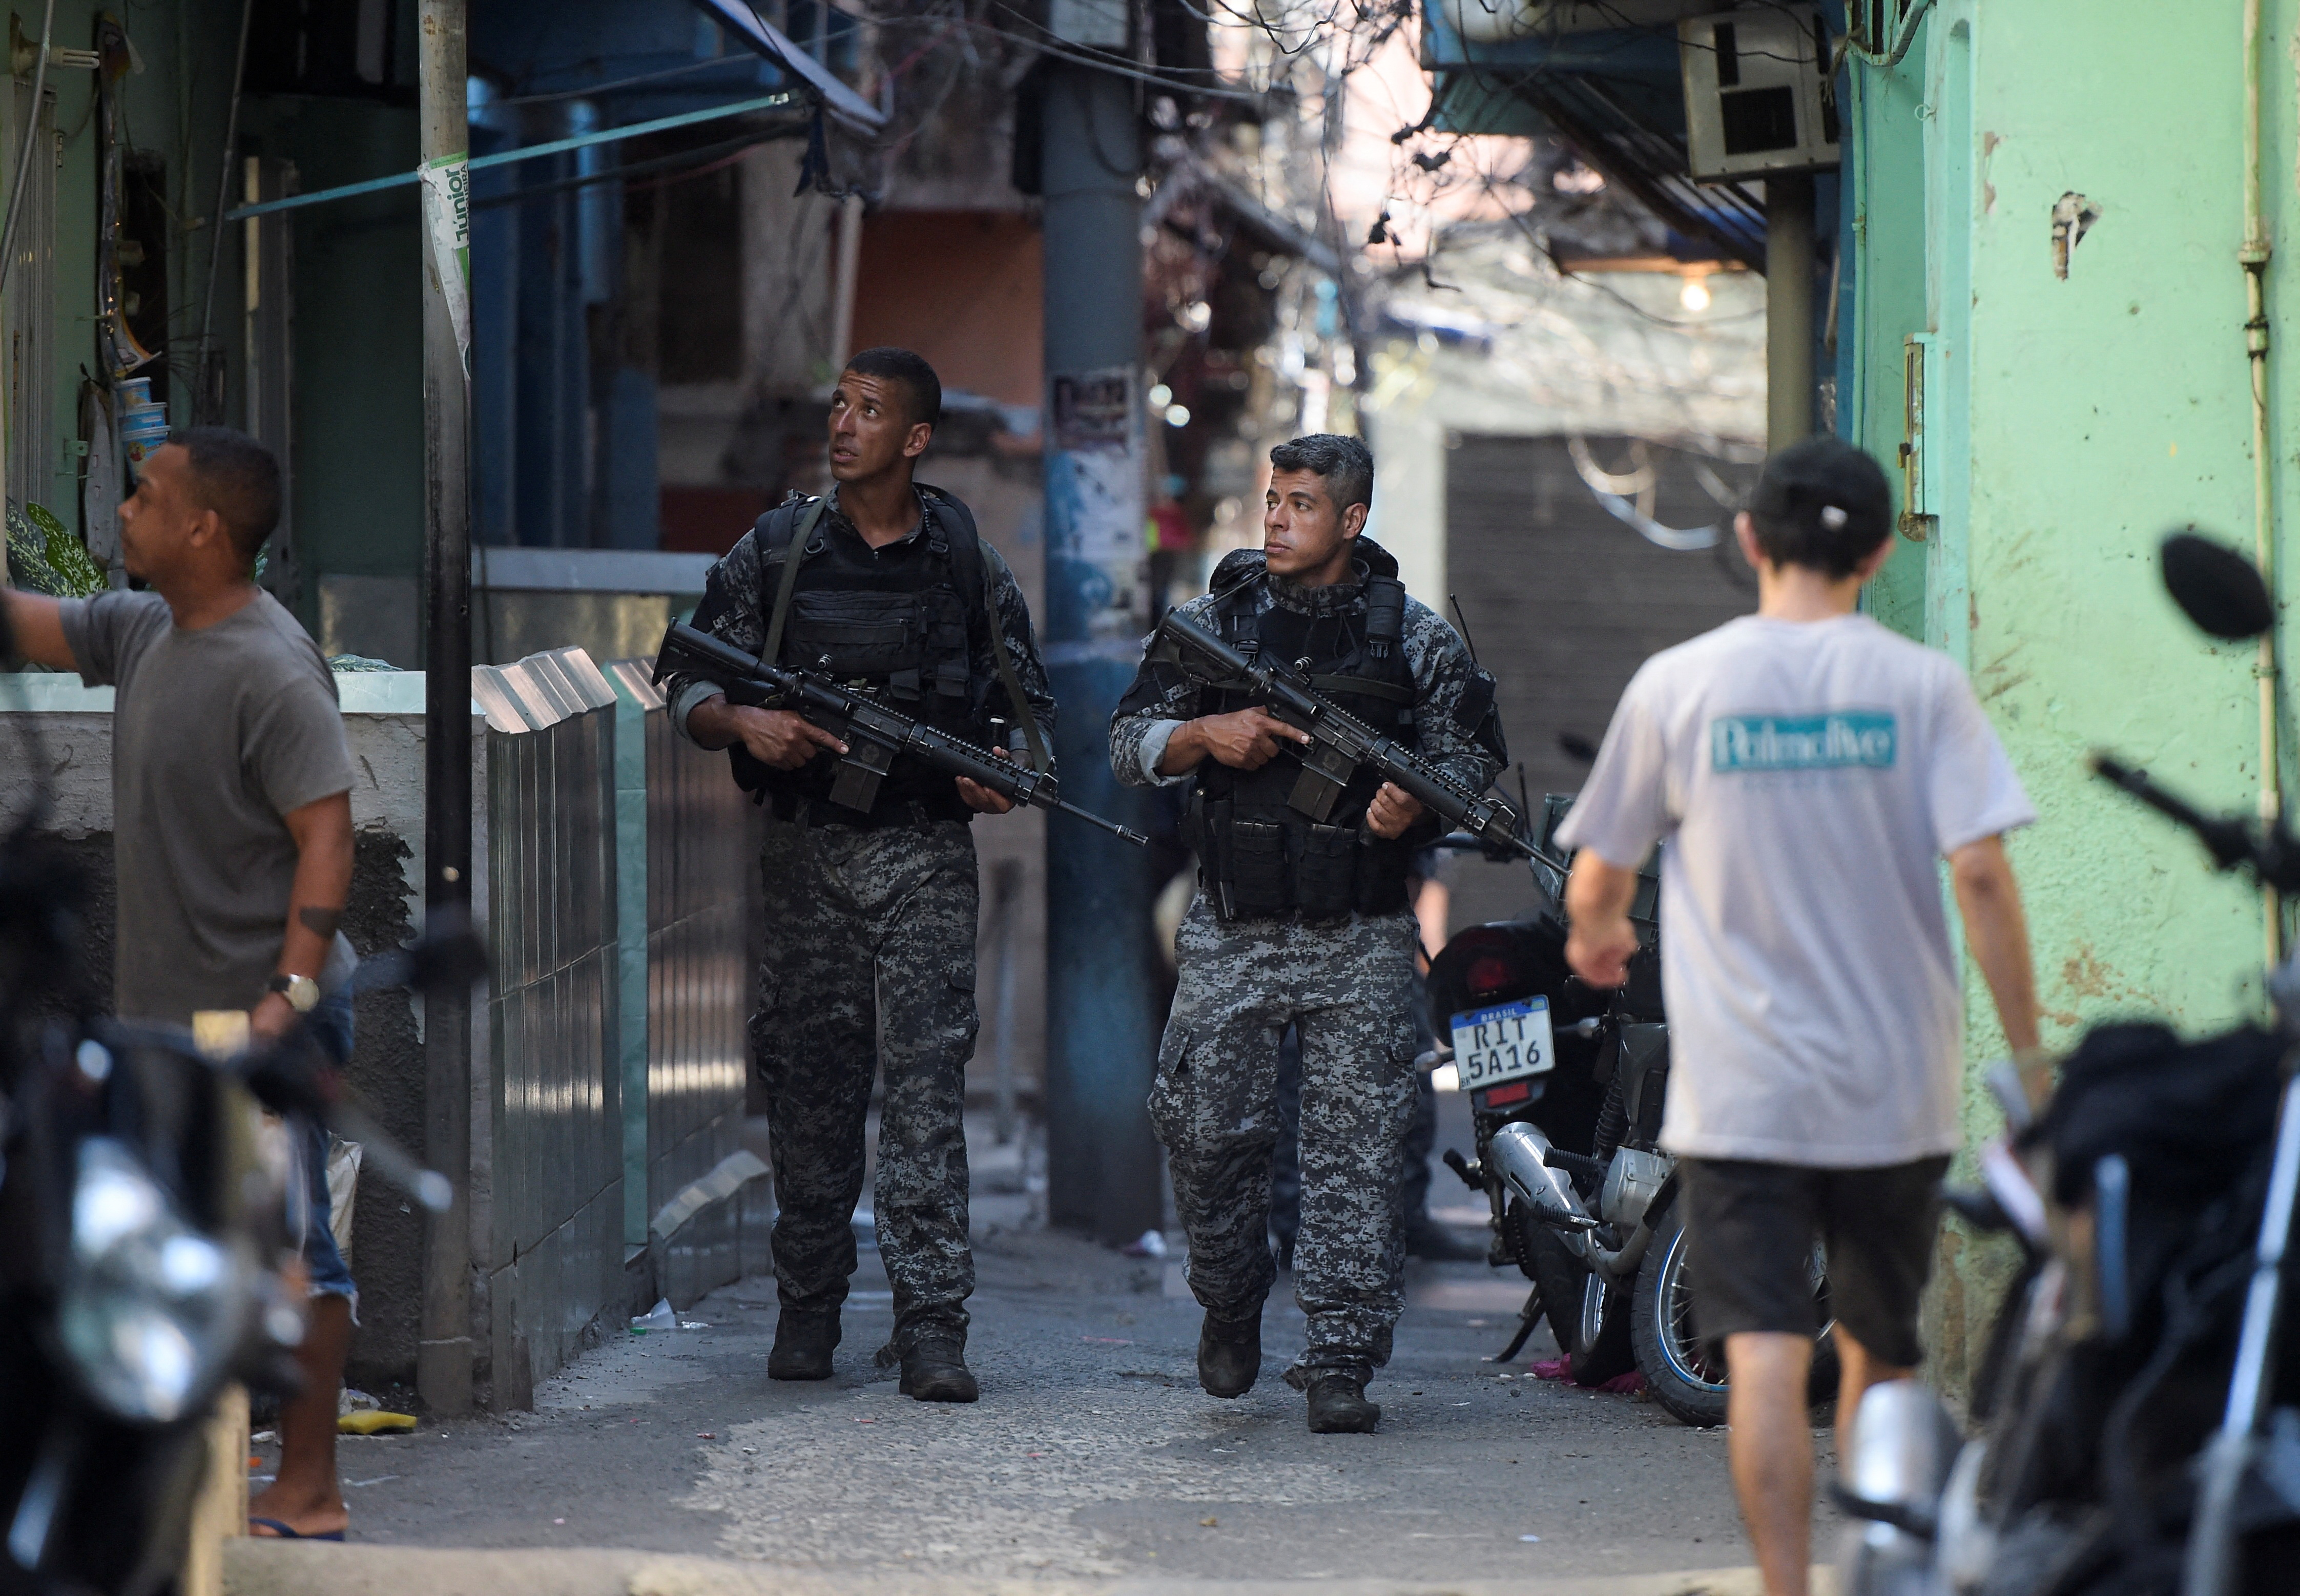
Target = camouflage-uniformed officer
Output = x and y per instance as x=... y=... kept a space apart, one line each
x=1302 y=923
x=870 y=915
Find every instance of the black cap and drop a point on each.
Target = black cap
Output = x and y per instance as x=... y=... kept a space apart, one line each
x=1827 y=485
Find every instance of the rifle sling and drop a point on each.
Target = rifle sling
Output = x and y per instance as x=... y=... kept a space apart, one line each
x=793 y=551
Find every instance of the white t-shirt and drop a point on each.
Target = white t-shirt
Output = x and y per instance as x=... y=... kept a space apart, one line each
x=1806 y=775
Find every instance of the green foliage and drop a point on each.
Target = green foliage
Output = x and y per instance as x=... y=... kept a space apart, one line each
x=44 y=556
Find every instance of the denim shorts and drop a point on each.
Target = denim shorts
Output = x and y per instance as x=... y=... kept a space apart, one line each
x=310 y=1211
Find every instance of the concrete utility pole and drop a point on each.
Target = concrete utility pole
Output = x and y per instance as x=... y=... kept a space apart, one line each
x=1788 y=308
x=1101 y=1030
x=443 y=1360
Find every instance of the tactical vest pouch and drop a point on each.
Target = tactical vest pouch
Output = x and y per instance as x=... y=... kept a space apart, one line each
x=1382 y=868
x=845 y=635
x=1258 y=873
x=1325 y=876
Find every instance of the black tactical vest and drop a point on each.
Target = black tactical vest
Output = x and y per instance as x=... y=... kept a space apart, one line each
x=895 y=622
x=1257 y=855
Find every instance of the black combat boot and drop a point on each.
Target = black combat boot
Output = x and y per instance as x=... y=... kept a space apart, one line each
x=1338 y=1405
x=803 y=1344
x=934 y=1370
x=1425 y=1237
x=1230 y=1354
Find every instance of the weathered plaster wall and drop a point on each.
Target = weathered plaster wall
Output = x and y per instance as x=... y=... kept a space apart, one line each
x=383 y=726
x=2070 y=422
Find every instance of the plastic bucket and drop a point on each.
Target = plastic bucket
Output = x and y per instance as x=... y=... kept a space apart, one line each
x=143 y=429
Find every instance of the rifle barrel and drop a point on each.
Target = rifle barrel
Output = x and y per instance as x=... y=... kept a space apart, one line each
x=1125 y=833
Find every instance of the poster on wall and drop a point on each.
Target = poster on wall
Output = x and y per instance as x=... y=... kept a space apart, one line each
x=1094 y=510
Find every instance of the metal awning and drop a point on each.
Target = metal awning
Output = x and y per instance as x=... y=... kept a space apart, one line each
x=1617 y=95
x=746 y=24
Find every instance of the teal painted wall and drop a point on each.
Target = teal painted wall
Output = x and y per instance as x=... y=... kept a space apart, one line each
x=1884 y=235
x=358 y=440
x=2070 y=422
x=174 y=106
x=359 y=338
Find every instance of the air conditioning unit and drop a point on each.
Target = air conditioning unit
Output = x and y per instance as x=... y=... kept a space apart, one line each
x=1758 y=98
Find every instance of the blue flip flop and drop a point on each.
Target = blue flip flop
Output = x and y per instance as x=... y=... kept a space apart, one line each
x=285 y=1533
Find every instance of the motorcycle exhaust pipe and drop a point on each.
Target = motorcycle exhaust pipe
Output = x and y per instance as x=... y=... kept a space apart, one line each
x=1521 y=1153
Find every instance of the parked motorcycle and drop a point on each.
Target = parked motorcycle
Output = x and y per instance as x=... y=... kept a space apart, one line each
x=144 y=1241
x=1567 y=1082
x=2136 y=1421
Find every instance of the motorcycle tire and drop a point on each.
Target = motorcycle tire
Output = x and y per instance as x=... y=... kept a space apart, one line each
x=1685 y=1376
x=1590 y=1322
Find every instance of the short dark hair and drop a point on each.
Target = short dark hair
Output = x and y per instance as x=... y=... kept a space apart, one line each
x=238 y=479
x=1823 y=504
x=908 y=371
x=1344 y=462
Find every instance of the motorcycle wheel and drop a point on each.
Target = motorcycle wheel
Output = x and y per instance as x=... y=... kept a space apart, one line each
x=1590 y=1321
x=1684 y=1375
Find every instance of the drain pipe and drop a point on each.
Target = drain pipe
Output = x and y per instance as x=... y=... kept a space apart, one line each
x=2254 y=256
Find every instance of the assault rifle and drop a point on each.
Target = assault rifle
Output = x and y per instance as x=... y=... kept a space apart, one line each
x=873 y=733
x=1341 y=745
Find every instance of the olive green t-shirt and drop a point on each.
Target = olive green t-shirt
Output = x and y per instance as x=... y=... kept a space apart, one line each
x=216 y=734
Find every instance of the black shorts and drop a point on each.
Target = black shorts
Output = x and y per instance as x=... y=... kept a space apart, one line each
x=1751 y=1227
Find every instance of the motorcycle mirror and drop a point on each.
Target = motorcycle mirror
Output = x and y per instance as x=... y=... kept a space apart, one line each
x=1577 y=748
x=2216 y=587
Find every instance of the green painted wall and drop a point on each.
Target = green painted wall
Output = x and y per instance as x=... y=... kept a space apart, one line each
x=2069 y=423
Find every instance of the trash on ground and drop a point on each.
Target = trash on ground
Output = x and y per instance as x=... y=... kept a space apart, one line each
x=692 y=1325
x=658 y=1317
x=355 y=1401
x=375 y=1421
x=706 y=1434
x=1149 y=1244
x=261 y=1436
x=1210 y=1522
x=1529 y=1537
x=1629 y=1384
x=1551 y=1368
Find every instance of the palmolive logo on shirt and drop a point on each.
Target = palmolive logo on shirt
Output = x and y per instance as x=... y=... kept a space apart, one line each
x=1841 y=739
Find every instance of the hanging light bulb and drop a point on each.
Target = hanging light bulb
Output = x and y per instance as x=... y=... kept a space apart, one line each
x=1695 y=295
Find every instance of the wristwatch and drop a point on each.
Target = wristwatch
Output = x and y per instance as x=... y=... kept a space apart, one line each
x=302 y=991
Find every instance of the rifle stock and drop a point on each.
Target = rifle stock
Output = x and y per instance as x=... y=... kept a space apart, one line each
x=873 y=733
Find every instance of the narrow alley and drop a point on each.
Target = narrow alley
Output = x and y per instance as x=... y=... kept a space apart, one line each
x=1092 y=1454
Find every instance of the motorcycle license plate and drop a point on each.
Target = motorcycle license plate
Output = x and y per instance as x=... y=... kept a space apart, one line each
x=1504 y=1043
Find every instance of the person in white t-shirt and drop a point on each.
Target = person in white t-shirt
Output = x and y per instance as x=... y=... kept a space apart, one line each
x=1805 y=772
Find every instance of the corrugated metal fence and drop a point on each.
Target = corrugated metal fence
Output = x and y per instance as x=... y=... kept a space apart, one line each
x=597 y=1120
x=552 y=1138
x=699 y=870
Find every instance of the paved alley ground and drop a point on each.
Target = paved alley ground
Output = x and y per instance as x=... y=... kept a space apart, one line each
x=1092 y=1455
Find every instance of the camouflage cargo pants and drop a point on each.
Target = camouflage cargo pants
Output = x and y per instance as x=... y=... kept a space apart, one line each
x=1346 y=985
x=869 y=965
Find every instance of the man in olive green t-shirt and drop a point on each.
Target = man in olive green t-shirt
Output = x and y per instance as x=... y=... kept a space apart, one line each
x=231 y=830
